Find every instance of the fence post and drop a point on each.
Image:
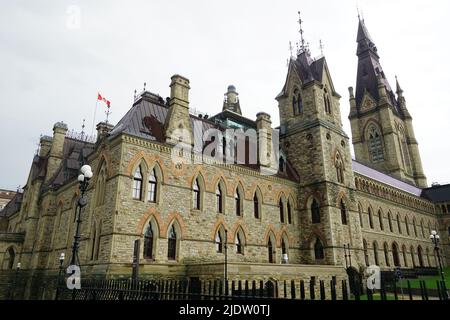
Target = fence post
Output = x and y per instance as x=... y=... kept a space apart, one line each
x=425 y=291
x=285 y=289
x=383 y=291
x=312 y=293
x=302 y=290
x=395 y=291
x=253 y=289
x=261 y=288
x=344 y=290
x=369 y=294
x=333 y=290
x=322 y=290
x=409 y=290
x=292 y=289
x=246 y=289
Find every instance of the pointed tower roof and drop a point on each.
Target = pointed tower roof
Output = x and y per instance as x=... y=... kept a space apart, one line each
x=370 y=71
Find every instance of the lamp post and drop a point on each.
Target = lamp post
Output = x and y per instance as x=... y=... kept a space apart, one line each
x=62 y=256
x=83 y=179
x=226 y=259
x=436 y=239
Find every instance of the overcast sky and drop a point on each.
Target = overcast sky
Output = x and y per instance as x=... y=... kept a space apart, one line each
x=52 y=63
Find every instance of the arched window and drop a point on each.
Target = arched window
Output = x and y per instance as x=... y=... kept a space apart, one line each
x=405 y=260
x=270 y=250
x=339 y=169
x=299 y=103
x=391 y=229
x=137 y=184
x=283 y=247
x=412 y=256
x=428 y=258
x=375 y=253
x=375 y=144
x=238 y=202
x=220 y=240
x=219 y=198
x=422 y=229
x=289 y=212
x=380 y=219
x=420 y=256
x=366 y=254
x=10 y=256
x=326 y=101
x=239 y=243
x=152 y=186
x=100 y=188
x=343 y=213
x=415 y=227
x=281 y=164
x=318 y=250
x=404 y=149
x=399 y=224
x=256 y=208
x=149 y=243
x=395 y=255
x=315 y=211
x=172 y=244
x=444 y=209
x=281 y=208
x=386 y=254
x=360 y=216
x=294 y=102
x=407 y=225
x=196 y=195
x=94 y=238
x=370 y=218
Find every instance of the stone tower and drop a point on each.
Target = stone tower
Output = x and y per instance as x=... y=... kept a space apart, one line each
x=231 y=100
x=312 y=137
x=382 y=131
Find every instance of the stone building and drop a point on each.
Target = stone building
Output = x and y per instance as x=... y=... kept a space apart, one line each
x=314 y=213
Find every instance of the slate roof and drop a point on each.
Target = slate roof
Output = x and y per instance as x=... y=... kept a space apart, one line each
x=12 y=206
x=437 y=193
x=385 y=178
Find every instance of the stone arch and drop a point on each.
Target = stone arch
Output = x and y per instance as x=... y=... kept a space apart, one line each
x=238 y=226
x=151 y=212
x=219 y=223
x=9 y=257
x=137 y=159
x=220 y=178
x=171 y=219
x=270 y=229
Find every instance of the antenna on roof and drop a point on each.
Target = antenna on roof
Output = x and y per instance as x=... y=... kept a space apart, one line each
x=82 y=129
x=290 y=48
x=135 y=92
x=145 y=84
x=302 y=40
x=321 y=46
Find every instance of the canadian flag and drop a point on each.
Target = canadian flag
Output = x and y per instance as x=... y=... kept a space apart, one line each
x=99 y=97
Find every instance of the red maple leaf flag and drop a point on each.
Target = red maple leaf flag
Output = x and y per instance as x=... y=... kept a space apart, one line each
x=99 y=97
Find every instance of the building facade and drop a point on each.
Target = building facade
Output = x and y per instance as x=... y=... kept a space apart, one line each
x=319 y=213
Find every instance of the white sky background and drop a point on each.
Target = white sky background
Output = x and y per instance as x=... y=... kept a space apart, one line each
x=50 y=73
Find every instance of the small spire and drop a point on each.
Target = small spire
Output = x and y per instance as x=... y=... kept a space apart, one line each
x=290 y=48
x=82 y=129
x=321 y=46
x=302 y=40
x=399 y=89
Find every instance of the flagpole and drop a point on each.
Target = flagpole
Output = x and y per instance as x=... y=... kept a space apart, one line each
x=95 y=112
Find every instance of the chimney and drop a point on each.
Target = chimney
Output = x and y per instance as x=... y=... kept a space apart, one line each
x=56 y=151
x=103 y=129
x=45 y=146
x=264 y=127
x=178 y=127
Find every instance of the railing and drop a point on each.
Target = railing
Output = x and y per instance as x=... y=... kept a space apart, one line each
x=194 y=289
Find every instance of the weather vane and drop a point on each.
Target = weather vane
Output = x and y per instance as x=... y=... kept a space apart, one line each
x=300 y=21
x=82 y=129
x=145 y=84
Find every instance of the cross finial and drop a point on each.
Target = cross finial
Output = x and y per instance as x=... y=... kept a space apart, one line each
x=145 y=84
x=300 y=21
x=321 y=46
x=135 y=92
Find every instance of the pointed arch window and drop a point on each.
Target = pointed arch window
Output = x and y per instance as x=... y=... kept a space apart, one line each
x=318 y=250
x=339 y=169
x=326 y=101
x=152 y=186
x=343 y=213
x=413 y=260
x=407 y=226
x=415 y=227
x=422 y=229
x=281 y=208
x=370 y=218
x=256 y=208
x=220 y=240
x=315 y=211
x=196 y=195
x=386 y=255
x=219 y=198
x=375 y=144
x=100 y=188
x=399 y=224
x=380 y=219
x=238 y=202
x=149 y=242
x=391 y=228
x=375 y=253
x=239 y=243
x=172 y=244
x=366 y=254
x=283 y=247
x=289 y=212
x=297 y=102
x=360 y=216
x=270 y=250
x=94 y=237
x=405 y=259
x=137 y=184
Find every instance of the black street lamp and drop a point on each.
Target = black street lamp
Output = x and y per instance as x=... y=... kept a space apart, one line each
x=83 y=179
x=226 y=259
x=13 y=291
x=58 y=282
x=436 y=239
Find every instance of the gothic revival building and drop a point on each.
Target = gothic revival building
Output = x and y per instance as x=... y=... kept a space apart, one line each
x=319 y=213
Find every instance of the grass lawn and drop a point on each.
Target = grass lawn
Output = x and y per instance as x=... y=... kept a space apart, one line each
x=377 y=296
x=430 y=282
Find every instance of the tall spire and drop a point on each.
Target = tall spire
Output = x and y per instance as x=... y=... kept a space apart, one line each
x=365 y=42
x=302 y=47
x=399 y=90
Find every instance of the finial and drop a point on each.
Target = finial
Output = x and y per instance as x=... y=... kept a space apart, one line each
x=135 y=92
x=399 y=89
x=290 y=48
x=82 y=129
x=145 y=84
x=357 y=10
x=300 y=21
x=321 y=46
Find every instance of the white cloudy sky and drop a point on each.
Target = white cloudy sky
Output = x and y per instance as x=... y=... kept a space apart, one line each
x=51 y=72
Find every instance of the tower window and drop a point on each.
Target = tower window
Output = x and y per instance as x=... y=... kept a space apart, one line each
x=172 y=245
x=315 y=212
x=270 y=251
x=326 y=101
x=148 y=243
x=375 y=145
x=297 y=103
x=196 y=195
x=289 y=212
x=318 y=250
x=152 y=187
x=339 y=169
x=137 y=184
x=281 y=207
x=237 y=200
x=256 y=209
x=219 y=199
x=343 y=213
